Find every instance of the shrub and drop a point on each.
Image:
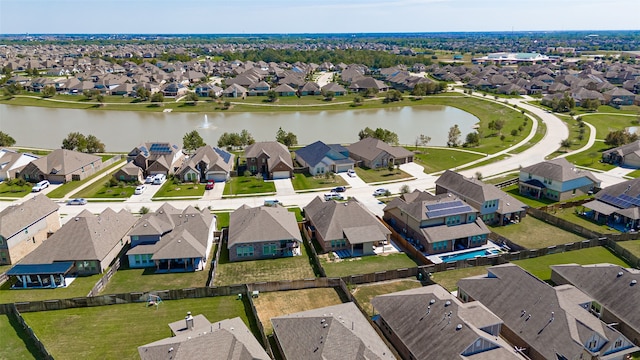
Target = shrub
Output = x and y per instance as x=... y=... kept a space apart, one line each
x=144 y=210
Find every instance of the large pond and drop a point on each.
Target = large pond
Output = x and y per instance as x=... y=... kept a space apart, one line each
x=122 y=130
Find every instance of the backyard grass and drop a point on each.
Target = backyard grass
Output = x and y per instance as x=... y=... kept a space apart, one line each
x=633 y=246
x=591 y=158
x=273 y=304
x=540 y=266
x=172 y=189
x=5 y=268
x=449 y=279
x=15 y=342
x=14 y=191
x=70 y=186
x=570 y=214
x=129 y=280
x=513 y=190
x=240 y=272
x=380 y=175
x=365 y=264
x=364 y=293
x=536 y=234
x=97 y=332
x=439 y=159
x=247 y=185
x=307 y=181
x=80 y=287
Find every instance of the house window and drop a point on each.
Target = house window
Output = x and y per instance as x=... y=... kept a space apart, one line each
x=244 y=250
x=122 y=177
x=471 y=218
x=617 y=344
x=440 y=245
x=137 y=258
x=592 y=344
x=269 y=249
x=452 y=220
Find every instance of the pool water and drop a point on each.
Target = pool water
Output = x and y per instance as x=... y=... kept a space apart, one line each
x=468 y=255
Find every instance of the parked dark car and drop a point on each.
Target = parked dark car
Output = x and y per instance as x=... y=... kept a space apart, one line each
x=339 y=189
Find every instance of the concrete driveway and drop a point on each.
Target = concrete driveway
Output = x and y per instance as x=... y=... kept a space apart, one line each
x=415 y=170
x=354 y=182
x=284 y=187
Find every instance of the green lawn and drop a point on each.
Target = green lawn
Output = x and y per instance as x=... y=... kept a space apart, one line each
x=513 y=190
x=14 y=191
x=541 y=131
x=172 y=189
x=536 y=234
x=591 y=158
x=449 y=279
x=634 y=174
x=576 y=133
x=80 y=287
x=240 y=272
x=540 y=266
x=569 y=214
x=69 y=187
x=379 y=175
x=246 y=185
x=605 y=123
x=116 y=331
x=633 y=246
x=366 y=264
x=16 y=344
x=100 y=191
x=364 y=293
x=307 y=181
x=4 y=268
x=438 y=159
x=223 y=219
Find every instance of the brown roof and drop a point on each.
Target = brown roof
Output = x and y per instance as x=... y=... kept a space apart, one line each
x=370 y=148
x=62 y=161
x=16 y=218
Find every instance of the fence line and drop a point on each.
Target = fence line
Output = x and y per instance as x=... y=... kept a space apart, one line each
x=100 y=284
x=306 y=234
x=405 y=246
x=14 y=314
x=220 y=244
x=3 y=278
x=562 y=223
x=254 y=312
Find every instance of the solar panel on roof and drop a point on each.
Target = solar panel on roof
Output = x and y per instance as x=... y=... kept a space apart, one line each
x=223 y=154
x=449 y=211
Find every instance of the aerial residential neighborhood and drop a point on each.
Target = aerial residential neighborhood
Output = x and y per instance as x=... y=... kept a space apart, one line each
x=326 y=196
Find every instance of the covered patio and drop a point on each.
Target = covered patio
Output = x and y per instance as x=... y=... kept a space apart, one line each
x=40 y=276
x=532 y=188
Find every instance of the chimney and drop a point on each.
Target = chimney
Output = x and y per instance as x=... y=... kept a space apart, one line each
x=189 y=320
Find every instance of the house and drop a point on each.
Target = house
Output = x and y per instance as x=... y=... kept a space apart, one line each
x=26 y=226
x=270 y=158
x=619 y=97
x=374 y=153
x=12 y=162
x=130 y=172
x=157 y=157
x=284 y=90
x=495 y=206
x=346 y=226
x=207 y=163
x=263 y=232
x=617 y=206
x=172 y=240
x=309 y=88
x=545 y=322
x=337 y=89
x=85 y=245
x=627 y=155
x=366 y=83
x=614 y=294
x=436 y=223
x=321 y=158
x=556 y=179
x=235 y=91
x=259 y=89
x=332 y=332
x=430 y=323
x=196 y=338
x=61 y=166
x=209 y=90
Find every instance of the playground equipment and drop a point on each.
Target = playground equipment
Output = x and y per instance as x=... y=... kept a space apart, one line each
x=154 y=300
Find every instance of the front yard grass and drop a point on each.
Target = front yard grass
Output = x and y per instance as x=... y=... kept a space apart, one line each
x=16 y=343
x=128 y=280
x=605 y=123
x=98 y=332
x=536 y=234
x=439 y=159
x=98 y=190
x=364 y=293
x=247 y=185
x=222 y=219
x=307 y=181
x=449 y=279
x=170 y=188
x=591 y=158
x=240 y=272
x=14 y=191
x=541 y=266
x=380 y=175
x=633 y=246
x=365 y=264
x=273 y=304
x=67 y=188
x=80 y=287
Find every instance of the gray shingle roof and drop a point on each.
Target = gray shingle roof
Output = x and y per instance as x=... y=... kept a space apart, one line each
x=560 y=170
x=264 y=223
x=62 y=162
x=15 y=218
x=276 y=152
x=370 y=148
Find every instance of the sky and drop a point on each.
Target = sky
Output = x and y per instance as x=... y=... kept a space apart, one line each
x=304 y=16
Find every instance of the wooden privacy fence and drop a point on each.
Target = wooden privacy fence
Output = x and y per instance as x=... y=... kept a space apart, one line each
x=14 y=315
x=104 y=280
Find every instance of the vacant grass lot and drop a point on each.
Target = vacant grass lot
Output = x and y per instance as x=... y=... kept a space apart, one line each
x=15 y=343
x=246 y=185
x=307 y=181
x=240 y=272
x=449 y=279
x=541 y=131
x=536 y=234
x=633 y=246
x=434 y=159
x=116 y=331
x=379 y=175
x=540 y=266
x=278 y=303
x=100 y=191
x=172 y=189
x=80 y=287
x=364 y=293
x=606 y=123
x=128 y=280
x=366 y=264
x=591 y=157
x=569 y=214
x=14 y=191
x=69 y=187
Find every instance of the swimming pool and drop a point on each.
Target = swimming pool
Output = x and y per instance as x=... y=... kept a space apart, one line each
x=468 y=255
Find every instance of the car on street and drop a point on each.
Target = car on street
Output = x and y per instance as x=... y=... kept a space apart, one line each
x=149 y=179
x=40 y=186
x=140 y=189
x=339 y=189
x=333 y=196
x=209 y=185
x=78 y=201
x=380 y=192
x=273 y=202
x=351 y=173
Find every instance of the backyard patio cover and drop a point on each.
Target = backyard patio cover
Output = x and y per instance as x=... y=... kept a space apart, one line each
x=41 y=269
x=600 y=207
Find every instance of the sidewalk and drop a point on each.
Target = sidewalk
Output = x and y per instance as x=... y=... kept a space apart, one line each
x=97 y=178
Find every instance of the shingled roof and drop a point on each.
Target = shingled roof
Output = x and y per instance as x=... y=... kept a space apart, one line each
x=16 y=218
x=264 y=223
x=369 y=148
x=62 y=161
x=559 y=169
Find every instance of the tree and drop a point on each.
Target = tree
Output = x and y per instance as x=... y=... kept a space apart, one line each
x=422 y=140
x=246 y=138
x=382 y=134
x=49 y=91
x=272 y=96
x=370 y=92
x=100 y=99
x=390 y=166
x=191 y=141
x=157 y=98
x=191 y=98
x=473 y=139
x=358 y=101
x=329 y=95
x=514 y=132
x=12 y=89
x=75 y=141
x=405 y=189
x=619 y=137
x=454 y=136
x=94 y=145
x=6 y=139
x=478 y=175
x=496 y=125
x=392 y=96
x=144 y=210
x=286 y=138
x=565 y=144
x=90 y=94
x=143 y=94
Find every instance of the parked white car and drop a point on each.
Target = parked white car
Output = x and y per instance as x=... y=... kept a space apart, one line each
x=40 y=186
x=351 y=173
x=333 y=196
x=140 y=189
x=380 y=192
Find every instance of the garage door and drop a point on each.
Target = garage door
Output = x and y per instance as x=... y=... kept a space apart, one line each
x=344 y=168
x=280 y=175
x=217 y=177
